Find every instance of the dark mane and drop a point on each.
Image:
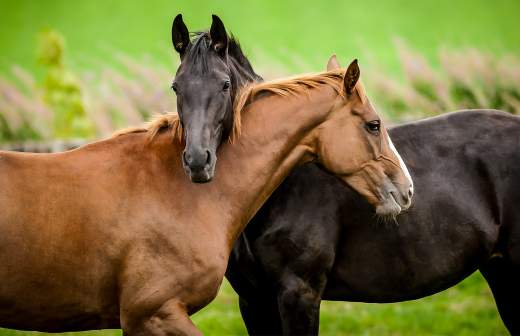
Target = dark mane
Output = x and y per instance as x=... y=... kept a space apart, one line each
x=235 y=51
x=197 y=53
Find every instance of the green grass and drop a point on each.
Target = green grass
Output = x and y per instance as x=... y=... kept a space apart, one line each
x=288 y=31
x=466 y=309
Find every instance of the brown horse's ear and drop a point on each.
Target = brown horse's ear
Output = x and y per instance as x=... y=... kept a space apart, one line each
x=219 y=38
x=351 y=77
x=333 y=63
x=180 y=35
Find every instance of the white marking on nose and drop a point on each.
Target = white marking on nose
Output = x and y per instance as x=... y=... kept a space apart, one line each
x=401 y=162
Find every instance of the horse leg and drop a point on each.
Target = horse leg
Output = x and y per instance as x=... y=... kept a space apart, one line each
x=261 y=316
x=169 y=320
x=300 y=306
x=504 y=278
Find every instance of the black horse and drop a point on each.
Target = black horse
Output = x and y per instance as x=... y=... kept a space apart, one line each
x=212 y=70
x=315 y=239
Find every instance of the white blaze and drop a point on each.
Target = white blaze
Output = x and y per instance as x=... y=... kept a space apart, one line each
x=401 y=162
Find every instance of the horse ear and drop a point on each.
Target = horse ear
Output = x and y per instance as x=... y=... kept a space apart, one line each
x=219 y=38
x=351 y=77
x=180 y=35
x=333 y=63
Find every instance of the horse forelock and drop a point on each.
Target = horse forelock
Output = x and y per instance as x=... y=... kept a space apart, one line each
x=196 y=56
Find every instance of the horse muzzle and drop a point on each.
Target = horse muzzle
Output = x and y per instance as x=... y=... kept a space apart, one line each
x=394 y=199
x=199 y=165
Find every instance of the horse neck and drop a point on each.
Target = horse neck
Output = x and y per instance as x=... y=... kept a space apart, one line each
x=278 y=134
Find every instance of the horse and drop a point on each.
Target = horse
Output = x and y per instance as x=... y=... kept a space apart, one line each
x=315 y=239
x=113 y=235
x=213 y=69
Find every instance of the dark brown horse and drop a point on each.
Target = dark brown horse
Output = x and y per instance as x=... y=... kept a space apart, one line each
x=113 y=234
x=316 y=240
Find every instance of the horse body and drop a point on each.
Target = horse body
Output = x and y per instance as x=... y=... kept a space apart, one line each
x=315 y=240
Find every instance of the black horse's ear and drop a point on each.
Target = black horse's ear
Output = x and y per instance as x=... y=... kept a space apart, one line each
x=180 y=35
x=219 y=38
x=351 y=77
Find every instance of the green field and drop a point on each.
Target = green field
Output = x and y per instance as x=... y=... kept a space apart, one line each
x=299 y=36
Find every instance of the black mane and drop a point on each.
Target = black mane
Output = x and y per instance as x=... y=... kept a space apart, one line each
x=198 y=52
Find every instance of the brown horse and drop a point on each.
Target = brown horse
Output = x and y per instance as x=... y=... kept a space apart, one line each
x=114 y=235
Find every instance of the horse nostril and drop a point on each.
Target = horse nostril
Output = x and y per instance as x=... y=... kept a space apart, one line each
x=185 y=158
x=208 y=157
x=394 y=195
x=410 y=193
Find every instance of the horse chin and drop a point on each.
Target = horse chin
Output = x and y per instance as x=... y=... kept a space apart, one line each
x=388 y=207
x=200 y=178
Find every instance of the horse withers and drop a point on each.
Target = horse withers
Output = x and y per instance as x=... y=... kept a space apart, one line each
x=113 y=234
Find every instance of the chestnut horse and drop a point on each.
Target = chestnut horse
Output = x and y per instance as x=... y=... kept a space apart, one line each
x=113 y=234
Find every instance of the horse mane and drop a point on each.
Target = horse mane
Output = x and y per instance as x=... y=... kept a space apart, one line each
x=292 y=86
x=158 y=123
x=235 y=51
x=283 y=87
x=197 y=53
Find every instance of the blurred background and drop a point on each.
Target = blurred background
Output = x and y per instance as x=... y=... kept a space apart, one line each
x=73 y=71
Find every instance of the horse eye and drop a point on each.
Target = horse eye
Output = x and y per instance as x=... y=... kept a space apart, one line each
x=226 y=86
x=174 y=87
x=373 y=126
